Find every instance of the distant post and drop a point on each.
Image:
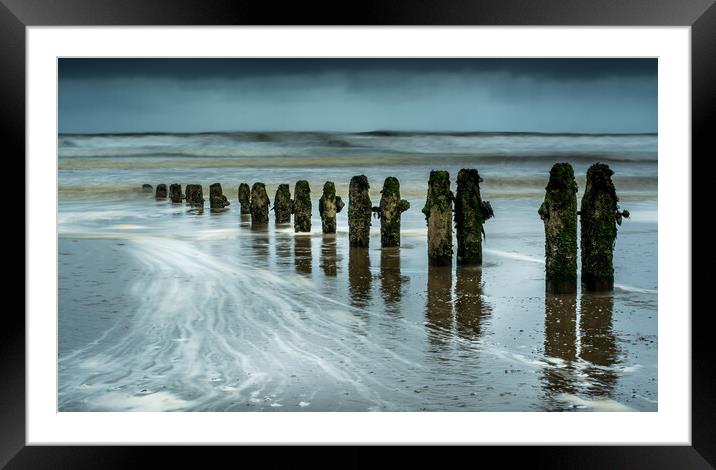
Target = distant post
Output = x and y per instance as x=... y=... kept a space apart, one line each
x=359 y=212
x=245 y=198
x=147 y=188
x=389 y=212
x=175 y=193
x=302 y=207
x=471 y=212
x=599 y=217
x=438 y=215
x=217 y=200
x=161 y=191
x=559 y=214
x=328 y=206
x=259 y=204
x=194 y=195
x=282 y=204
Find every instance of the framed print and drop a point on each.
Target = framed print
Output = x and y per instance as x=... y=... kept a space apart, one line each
x=429 y=227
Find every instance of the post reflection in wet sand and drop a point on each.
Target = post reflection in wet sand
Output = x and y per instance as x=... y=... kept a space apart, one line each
x=391 y=281
x=359 y=276
x=303 y=256
x=329 y=257
x=260 y=245
x=283 y=244
x=560 y=346
x=598 y=344
x=438 y=308
x=470 y=308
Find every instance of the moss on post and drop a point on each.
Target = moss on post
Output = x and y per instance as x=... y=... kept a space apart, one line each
x=302 y=207
x=259 y=204
x=328 y=206
x=359 y=211
x=194 y=195
x=438 y=215
x=175 y=193
x=559 y=214
x=217 y=200
x=599 y=216
x=161 y=191
x=245 y=198
x=389 y=212
x=471 y=212
x=282 y=204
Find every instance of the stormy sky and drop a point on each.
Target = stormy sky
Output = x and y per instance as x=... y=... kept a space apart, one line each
x=355 y=95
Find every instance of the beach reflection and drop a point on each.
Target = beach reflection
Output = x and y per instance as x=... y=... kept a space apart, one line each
x=598 y=345
x=391 y=281
x=359 y=276
x=470 y=308
x=560 y=346
x=329 y=257
x=282 y=243
x=438 y=308
x=303 y=257
x=260 y=245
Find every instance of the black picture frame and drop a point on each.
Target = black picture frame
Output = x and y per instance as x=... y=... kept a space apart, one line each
x=700 y=15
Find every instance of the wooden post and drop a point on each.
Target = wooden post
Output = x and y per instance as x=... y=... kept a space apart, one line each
x=245 y=198
x=328 y=206
x=359 y=212
x=259 y=204
x=559 y=214
x=471 y=212
x=175 y=193
x=302 y=207
x=194 y=195
x=438 y=215
x=389 y=212
x=161 y=191
x=147 y=188
x=283 y=205
x=599 y=216
x=217 y=200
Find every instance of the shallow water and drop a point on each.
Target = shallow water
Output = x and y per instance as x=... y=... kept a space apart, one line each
x=163 y=308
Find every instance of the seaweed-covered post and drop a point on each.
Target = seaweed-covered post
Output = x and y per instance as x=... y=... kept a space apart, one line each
x=359 y=211
x=471 y=212
x=259 y=204
x=282 y=204
x=194 y=195
x=599 y=216
x=559 y=214
x=175 y=193
x=147 y=188
x=438 y=215
x=302 y=207
x=389 y=212
x=161 y=191
x=217 y=200
x=328 y=206
x=245 y=198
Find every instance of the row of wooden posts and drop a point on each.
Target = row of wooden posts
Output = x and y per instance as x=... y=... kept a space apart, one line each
x=599 y=216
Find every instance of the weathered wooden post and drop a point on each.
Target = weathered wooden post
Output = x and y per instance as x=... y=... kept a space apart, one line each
x=161 y=191
x=217 y=200
x=328 y=206
x=259 y=204
x=245 y=198
x=175 y=193
x=389 y=212
x=302 y=207
x=359 y=212
x=599 y=216
x=559 y=214
x=471 y=212
x=194 y=195
x=283 y=205
x=438 y=215
x=147 y=188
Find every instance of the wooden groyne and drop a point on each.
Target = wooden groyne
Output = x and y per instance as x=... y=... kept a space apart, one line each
x=328 y=206
x=471 y=212
x=389 y=212
x=438 y=215
x=302 y=207
x=194 y=195
x=245 y=198
x=282 y=205
x=359 y=211
x=175 y=193
x=217 y=200
x=259 y=204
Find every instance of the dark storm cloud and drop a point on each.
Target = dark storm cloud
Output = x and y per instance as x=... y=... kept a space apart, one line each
x=202 y=69
x=187 y=95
